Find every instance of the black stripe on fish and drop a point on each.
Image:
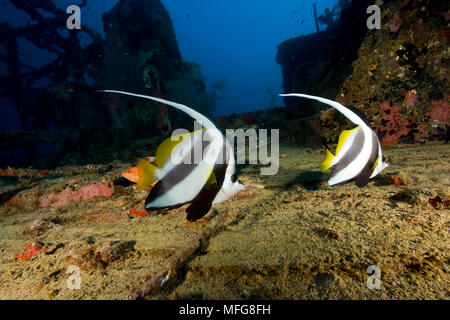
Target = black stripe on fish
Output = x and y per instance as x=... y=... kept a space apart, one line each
x=362 y=179
x=354 y=150
x=197 y=210
x=173 y=177
x=203 y=201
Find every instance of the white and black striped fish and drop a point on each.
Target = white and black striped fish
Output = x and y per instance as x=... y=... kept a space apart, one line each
x=183 y=179
x=358 y=155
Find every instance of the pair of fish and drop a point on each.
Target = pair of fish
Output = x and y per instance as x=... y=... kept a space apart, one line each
x=213 y=179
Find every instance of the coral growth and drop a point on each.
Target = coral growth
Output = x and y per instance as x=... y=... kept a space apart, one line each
x=440 y=110
x=137 y=213
x=85 y=193
x=395 y=23
x=32 y=249
x=392 y=125
x=411 y=97
x=400 y=79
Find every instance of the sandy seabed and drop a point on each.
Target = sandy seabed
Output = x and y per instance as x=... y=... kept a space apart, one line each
x=296 y=238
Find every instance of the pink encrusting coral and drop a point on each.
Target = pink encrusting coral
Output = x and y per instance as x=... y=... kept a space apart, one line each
x=440 y=110
x=422 y=131
x=395 y=23
x=395 y=126
x=411 y=98
x=446 y=15
x=85 y=193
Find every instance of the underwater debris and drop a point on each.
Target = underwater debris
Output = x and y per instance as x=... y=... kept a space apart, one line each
x=327 y=233
x=435 y=201
x=177 y=266
x=38 y=227
x=12 y=202
x=415 y=197
x=32 y=249
x=111 y=251
x=99 y=255
x=438 y=203
x=152 y=286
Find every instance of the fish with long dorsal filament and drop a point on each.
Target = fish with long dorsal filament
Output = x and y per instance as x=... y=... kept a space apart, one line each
x=179 y=180
x=358 y=154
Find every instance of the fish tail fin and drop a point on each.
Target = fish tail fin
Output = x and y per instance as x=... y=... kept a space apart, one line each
x=326 y=164
x=146 y=174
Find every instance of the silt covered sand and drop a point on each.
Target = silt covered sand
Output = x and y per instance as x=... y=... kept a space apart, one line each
x=296 y=238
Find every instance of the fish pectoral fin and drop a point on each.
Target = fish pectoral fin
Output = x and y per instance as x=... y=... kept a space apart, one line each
x=326 y=164
x=343 y=137
x=146 y=174
x=197 y=210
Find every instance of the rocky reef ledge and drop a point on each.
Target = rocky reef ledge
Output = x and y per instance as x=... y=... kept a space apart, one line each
x=397 y=75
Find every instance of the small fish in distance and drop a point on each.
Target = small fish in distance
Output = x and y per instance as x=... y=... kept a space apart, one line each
x=131 y=174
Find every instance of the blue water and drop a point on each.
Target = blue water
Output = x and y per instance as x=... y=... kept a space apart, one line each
x=232 y=40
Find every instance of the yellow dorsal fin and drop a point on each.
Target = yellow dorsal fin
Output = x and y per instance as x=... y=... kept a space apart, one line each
x=343 y=137
x=211 y=179
x=325 y=165
x=146 y=174
x=165 y=149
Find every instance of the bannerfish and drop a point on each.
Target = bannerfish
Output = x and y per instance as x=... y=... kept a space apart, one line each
x=201 y=183
x=358 y=154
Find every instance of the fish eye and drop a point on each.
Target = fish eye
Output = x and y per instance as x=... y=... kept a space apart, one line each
x=234 y=178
